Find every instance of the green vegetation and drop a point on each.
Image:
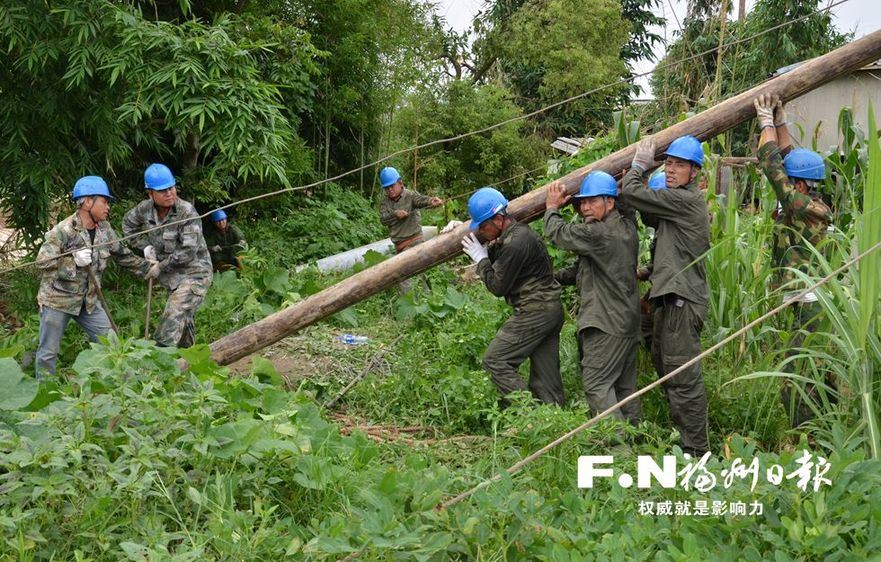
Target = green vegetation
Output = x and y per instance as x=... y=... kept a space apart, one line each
x=125 y=456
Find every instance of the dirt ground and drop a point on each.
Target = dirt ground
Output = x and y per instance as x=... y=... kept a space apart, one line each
x=292 y=358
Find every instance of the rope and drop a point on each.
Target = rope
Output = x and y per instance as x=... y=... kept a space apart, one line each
x=448 y=139
x=562 y=439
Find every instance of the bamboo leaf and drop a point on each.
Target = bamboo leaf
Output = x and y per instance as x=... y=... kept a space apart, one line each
x=869 y=233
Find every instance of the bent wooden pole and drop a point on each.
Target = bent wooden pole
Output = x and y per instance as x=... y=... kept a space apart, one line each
x=704 y=125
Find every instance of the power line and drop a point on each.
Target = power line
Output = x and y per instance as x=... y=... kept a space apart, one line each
x=461 y=136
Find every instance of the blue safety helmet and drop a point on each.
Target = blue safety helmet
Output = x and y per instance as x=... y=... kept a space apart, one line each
x=595 y=184
x=218 y=215
x=658 y=181
x=687 y=148
x=484 y=204
x=158 y=177
x=805 y=164
x=388 y=177
x=90 y=185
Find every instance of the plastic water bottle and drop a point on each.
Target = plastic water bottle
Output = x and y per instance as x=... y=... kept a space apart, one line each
x=351 y=339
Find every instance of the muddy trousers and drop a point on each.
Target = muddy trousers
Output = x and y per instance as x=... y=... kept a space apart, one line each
x=608 y=372
x=676 y=339
x=532 y=334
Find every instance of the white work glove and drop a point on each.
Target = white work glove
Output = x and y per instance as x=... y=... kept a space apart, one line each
x=216 y=248
x=451 y=226
x=150 y=254
x=83 y=258
x=475 y=250
x=644 y=156
x=780 y=117
x=153 y=272
x=764 y=110
x=243 y=245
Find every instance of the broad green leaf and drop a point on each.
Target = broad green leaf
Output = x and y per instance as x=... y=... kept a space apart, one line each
x=11 y=351
x=17 y=391
x=264 y=370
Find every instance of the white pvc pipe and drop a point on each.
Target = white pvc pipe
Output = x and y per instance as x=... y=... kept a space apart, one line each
x=348 y=259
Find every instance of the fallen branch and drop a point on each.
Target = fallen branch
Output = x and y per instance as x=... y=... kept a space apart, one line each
x=370 y=365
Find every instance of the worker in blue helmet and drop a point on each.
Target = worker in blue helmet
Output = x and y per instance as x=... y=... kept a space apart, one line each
x=658 y=181
x=606 y=244
x=644 y=273
x=168 y=231
x=224 y=241
x=76 y=249
x=399 y=210
x=516 y=266
x=679 y=295
x=802 y=223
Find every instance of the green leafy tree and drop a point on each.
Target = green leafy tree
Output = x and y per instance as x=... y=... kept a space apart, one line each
x=548 y=50
x=683 y=87
x=457 y=167
x=375 y=52
x=641 y=42
x=95 y=87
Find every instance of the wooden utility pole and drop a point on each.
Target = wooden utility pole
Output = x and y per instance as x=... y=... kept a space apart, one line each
x=741 y=10
x=704 y=125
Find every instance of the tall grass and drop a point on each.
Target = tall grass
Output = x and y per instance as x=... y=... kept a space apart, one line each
x=841 y=359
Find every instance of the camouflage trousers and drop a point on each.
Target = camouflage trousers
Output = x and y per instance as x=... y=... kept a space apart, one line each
x=798 y=402
x=177 y=327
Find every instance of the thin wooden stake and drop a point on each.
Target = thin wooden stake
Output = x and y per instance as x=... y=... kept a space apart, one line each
x=94 y=280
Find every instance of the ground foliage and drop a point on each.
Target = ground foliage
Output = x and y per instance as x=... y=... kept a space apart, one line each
x=238 y=98
x=125 y=456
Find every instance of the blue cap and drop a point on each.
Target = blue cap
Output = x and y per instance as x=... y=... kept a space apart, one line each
x=484 y=204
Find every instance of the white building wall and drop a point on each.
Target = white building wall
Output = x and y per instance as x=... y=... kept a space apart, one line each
x=822 y=106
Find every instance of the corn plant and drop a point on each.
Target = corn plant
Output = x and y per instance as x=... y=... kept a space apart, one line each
x=852 y=303
x=841 y=360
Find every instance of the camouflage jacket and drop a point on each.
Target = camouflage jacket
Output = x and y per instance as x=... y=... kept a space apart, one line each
x=64 y=286
x=605 y=272
x=519 y=269
x=682 y=234
x=180 y=248
x=804 y=218
x=403 y=229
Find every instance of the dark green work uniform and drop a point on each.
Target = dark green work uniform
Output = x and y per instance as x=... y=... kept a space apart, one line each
x=804 y=218
x=608 y=317
x=224 y=245
x=405 y=232
x=519 y=269
x=679 y=297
